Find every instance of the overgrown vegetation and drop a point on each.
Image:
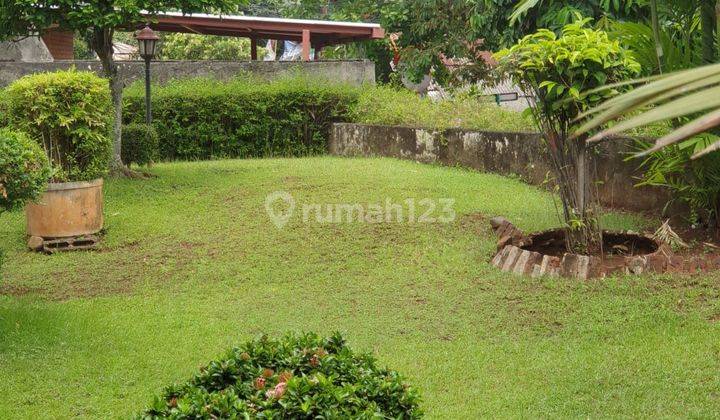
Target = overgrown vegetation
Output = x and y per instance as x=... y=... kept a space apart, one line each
x=297 y=376
x=386 y=105
x=693 y=182
x=69 y=113
x=562 y=73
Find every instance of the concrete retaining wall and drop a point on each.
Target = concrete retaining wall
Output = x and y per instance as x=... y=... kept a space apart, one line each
x=522 y=154
x=353 y=72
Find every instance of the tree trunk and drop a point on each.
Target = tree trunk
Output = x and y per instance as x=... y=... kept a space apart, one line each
x=103 y=47
x=583 y=233
x=708 y=23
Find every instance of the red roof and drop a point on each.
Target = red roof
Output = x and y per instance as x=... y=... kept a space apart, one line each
x=321 y=32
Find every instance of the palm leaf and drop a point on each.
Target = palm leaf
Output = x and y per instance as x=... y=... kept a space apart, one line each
x=675 y=95
x=521 y=8
x=679 y=107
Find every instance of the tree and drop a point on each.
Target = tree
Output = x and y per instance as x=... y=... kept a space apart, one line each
x=100 y=19
x=203 y=47
x=562 y=72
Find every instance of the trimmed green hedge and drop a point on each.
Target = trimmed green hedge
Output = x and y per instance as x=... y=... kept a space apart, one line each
x=70 y=114
x=298 y=377
x=139 y=144
x=204 y=119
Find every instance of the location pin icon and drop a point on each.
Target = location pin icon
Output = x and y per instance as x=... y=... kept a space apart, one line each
x=280 y=216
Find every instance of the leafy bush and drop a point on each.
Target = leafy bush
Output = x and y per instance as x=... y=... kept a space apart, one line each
x=24 y=169
x=298 y=376
x=694 y=182
x=175 y=46
x=200 y=118
x=563 y=72
x=70 y=114
x=385 y=105
x=139 y=144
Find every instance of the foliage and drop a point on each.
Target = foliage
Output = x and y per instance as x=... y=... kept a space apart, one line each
x=683 y=94
x=24 y=170
x=555 y=14
x=695 y=183
x=385 y=105
x=140 y=144
x=638 y=38
x=563 y=72
x=179 y=46
x=298 y=376
x=69 y=114
x=244 y=117
x=97 y=20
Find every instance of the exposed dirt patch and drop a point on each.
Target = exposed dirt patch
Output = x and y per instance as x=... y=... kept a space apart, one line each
x=18 y=291
x=552 y=242
x=127 y=266
x=475 y=223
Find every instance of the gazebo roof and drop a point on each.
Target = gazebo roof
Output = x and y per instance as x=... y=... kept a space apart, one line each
x=321 y=32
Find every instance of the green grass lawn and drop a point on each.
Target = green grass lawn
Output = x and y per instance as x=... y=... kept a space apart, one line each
x=191 y=265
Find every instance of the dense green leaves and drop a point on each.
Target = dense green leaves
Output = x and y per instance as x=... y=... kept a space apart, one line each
x=245 y=117
x=140 y=144
x=24 y=16
x=564 y=70
x=24 y=169
x=298 y=376
x=69 y=113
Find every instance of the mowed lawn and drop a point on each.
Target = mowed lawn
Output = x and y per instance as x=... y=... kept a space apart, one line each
x=191 y=265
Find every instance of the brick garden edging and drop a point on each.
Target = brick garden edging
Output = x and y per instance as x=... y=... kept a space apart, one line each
x=513 y=258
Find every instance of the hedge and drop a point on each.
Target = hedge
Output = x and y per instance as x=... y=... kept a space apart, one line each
x=139 y=144
x=298 y=376
x=70 y=114
x=205 y=119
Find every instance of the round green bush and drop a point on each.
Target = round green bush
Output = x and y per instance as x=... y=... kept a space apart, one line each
x=24 y=169
x=140 y=143
x=70 y=114
x=298 y=376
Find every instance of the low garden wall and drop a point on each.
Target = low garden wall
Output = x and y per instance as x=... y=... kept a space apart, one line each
x=352 y=71
x=505 y=153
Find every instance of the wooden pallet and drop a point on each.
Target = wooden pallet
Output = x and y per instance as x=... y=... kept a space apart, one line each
x=76 y=243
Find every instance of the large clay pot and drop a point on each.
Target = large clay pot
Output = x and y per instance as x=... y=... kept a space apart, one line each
x=67 y=209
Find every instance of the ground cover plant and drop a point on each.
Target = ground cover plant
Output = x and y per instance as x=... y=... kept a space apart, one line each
x=191 y=265
x=297 y=376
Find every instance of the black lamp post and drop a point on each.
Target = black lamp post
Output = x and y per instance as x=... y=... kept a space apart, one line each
x=147 y=40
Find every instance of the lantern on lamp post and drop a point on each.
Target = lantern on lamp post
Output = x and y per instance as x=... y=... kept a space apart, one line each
x=147 y=40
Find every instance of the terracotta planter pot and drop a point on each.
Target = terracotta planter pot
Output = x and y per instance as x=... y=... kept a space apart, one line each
x=67 y=209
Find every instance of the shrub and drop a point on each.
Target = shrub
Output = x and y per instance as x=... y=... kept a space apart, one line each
x=693 y=182
x=298 y=376
x=24 y=169
x=70 y=114
x=139 y=144
x=201 y=119
x=563 y=73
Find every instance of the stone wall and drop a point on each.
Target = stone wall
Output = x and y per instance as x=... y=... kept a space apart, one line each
x=521 y=154
x=353 y=72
